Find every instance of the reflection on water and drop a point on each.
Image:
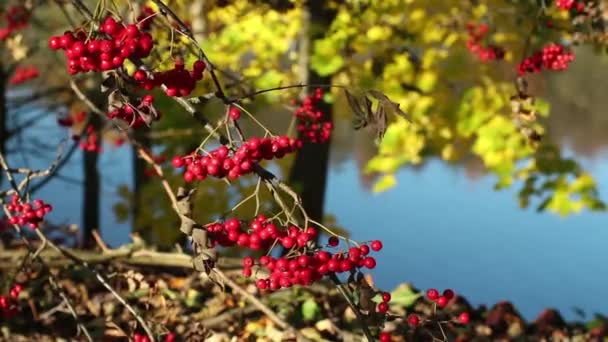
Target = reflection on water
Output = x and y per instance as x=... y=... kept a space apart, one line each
x=442 y=225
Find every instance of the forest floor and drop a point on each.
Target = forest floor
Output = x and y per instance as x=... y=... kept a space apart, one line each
x=188 y=306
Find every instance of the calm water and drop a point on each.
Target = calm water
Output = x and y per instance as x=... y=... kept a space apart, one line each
x=440 y=227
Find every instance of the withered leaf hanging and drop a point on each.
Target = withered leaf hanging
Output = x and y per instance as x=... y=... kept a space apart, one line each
x=364 y=115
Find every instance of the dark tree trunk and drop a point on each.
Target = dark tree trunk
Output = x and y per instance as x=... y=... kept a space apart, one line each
x=309 y=171
x=139 y=177
x=92 y=187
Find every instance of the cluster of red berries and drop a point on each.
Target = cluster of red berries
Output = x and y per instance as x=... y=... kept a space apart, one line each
x=16 y=17
x=8 y=304
x=145 y=18
x=553 y=56
x=305 y=269
x=262 y=234
x=441 y=300
x=219 y=163
x=568 y=5
x=92 y=142
x=178 y=81
x=312 y=123
x=383 y=306
x=24 y=74
x=107 y=50
x=485 y=53
x=27 y=213
x=133 y=115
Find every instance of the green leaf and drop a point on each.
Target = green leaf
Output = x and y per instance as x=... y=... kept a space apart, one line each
x=542 y=107
x=404 y=295
x=310 y=310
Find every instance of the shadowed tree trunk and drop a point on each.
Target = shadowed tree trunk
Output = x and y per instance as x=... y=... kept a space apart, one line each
x=139 y=178
x=309 y=171
x=92 y=187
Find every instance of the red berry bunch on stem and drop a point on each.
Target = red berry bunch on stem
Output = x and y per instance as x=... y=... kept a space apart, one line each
x=304 y=267
x=313 y=126
x=475 y=44
x=27 y=213
x=553 y=56
x=8 y=304
x=178 y=81
x=569 y=5
x=106 y=49
x=16 y=17
x=260 y=235
x=441 y=300
x=221 y=163
x=23 y=74
x=91 y=143
x=137 y=116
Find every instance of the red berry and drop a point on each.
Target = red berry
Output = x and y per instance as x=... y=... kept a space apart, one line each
x=384 y=337
x=382 y=307
x=386 y=297
x=364 y=250
x=234 y=113
x=333 y=241
x=442 y=301
x=261 y=284
x=178 y=162
x=464 y=318
x=376 y=245
x=413 y=320
x=248 y=262
x=247 y=272
x=369 y=262
x=432 y=294
x=448 y=293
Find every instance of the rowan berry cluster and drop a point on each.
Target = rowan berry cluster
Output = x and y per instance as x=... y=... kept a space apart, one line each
x=312 y=123
x=31 y=214
x=568 y=5
x=553 y=56
x=106 y=49
x=8 y=304
x=23 y=74
x=92 y=142
x=485 y=53
x=220 y=163
x=441 y=300
x=383 y=306
x=260 y=235
x=17 y=17
x=133 y=115
x=304 y=269
x=178 y=81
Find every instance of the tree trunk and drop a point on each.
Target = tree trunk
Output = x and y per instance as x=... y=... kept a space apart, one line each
x=309 y=171
x=139 y=178
x=92 y=187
